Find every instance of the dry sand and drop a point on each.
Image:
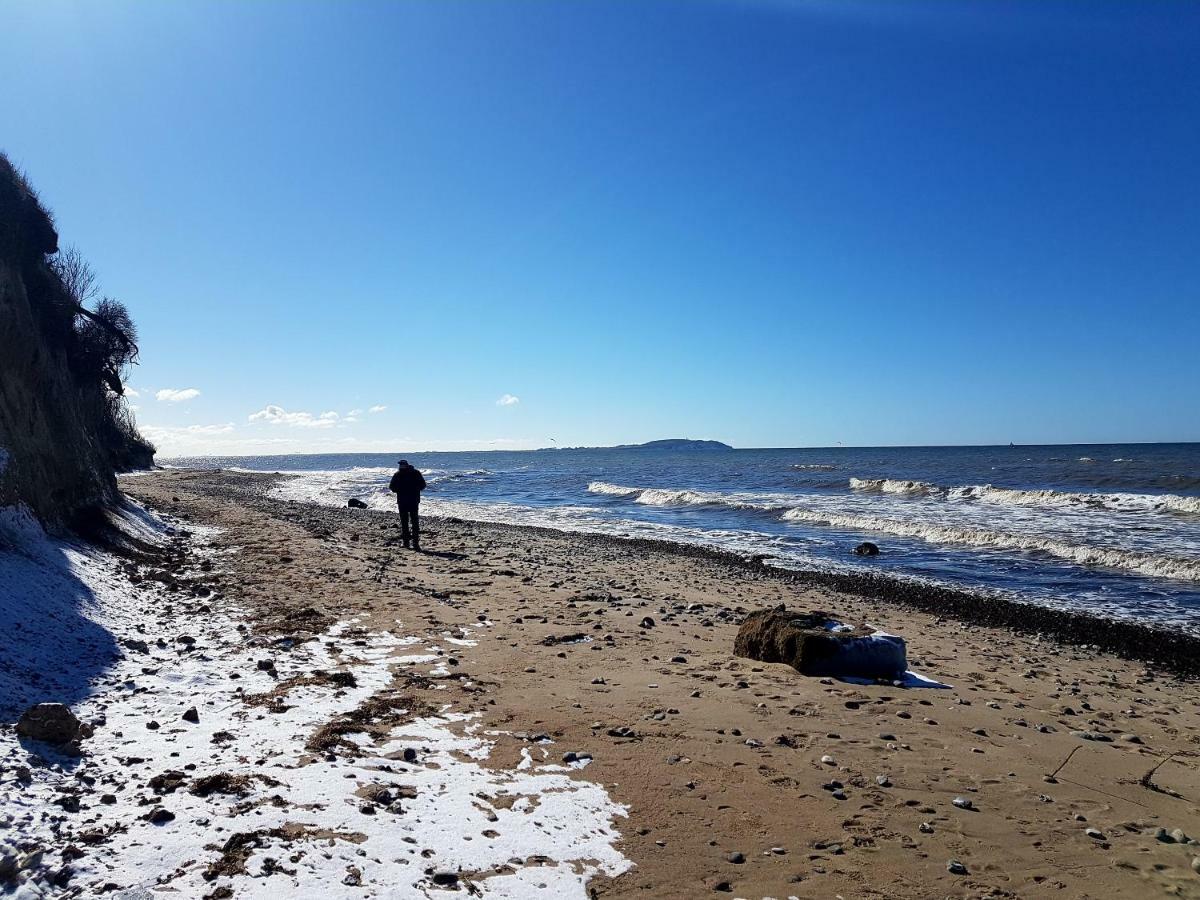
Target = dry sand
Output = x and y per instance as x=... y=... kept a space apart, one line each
x=728 y=766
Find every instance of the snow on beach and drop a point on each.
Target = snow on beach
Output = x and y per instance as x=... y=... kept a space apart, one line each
x=254 y=794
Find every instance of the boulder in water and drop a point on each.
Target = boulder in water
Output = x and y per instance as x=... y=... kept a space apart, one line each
x=55 y=724
x=866 y=548
x=355 y=503
x=813 y=644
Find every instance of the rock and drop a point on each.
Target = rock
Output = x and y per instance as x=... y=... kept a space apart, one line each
x=964 y=803
x=355 y=503
x=192 y=716
x=139 y=646
x=1179 y=836
x=1092 y=736
x=1196 y=864
x=159 y=815
x=926 y=827
x=736 y=858
x=445 y=879
x=353 y=876
x=802 y=640
x=55 y=724
x=954 y=867
x=828 y=760
x=866 y=548
x=647 y=622
x=1094 y=833
x=265 y=665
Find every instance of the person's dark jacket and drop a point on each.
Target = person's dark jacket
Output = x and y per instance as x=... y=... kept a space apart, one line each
x=407 y=484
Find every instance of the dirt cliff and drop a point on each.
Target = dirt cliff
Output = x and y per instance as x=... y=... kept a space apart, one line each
x=64 y=426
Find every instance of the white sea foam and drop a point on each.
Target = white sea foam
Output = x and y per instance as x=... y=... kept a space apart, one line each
x=1146 y=563
x=1126 y=502
x=815 y=467
x=894 y=486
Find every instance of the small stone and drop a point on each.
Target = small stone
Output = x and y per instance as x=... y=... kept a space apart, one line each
x=954 y=867
x=1179 y=836
x=192 y=716
x=1094 y=833
x=964 y=803
x=883 y=781
x=926 y=827
x=828 y=760
x=445 y=879
x=159 y=815
x=736 y=858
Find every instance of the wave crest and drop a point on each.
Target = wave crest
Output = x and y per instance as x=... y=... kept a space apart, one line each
x=894 y=486
x=1158 y=565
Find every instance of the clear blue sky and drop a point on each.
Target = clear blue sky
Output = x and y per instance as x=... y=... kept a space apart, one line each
x=771 y=223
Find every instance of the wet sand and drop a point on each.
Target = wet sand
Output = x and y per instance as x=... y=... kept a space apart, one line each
x=742 y=778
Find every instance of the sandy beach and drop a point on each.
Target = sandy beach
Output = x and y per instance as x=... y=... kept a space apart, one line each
x=1020 y=778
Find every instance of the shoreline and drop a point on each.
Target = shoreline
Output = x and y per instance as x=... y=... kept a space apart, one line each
x=602 y=670
x=1175 y=651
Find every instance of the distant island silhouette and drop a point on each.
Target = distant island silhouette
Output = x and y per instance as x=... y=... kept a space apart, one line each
x=663 y=444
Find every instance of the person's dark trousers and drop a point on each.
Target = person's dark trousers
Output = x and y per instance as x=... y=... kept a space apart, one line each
x=410 y=523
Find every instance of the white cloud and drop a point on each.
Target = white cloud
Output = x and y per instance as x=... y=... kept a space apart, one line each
x=177 y=395
x=508 y=400
x=277 y=415
x=132 y=392
x=377 y=409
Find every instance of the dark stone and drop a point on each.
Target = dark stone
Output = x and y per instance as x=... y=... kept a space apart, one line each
x=355 y=503
x=55 y=724
x=866 y=548
x=192 y=716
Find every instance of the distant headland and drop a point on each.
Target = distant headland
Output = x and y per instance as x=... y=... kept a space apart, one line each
x=664 y=444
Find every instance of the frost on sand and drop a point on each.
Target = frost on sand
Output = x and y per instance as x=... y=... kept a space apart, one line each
x=224 y=766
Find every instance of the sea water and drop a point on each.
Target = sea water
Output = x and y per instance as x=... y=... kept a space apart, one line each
x=1113 y=529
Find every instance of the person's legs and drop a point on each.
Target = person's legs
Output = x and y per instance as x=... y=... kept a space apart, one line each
x=403 y=524
x=416 y=528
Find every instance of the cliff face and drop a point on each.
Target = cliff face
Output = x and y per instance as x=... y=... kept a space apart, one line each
x=63 y=431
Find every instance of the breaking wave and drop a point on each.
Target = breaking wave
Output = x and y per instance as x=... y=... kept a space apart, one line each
x=892 y=486
x=1158 y=565
x=1046 y=497
x=1114 y=501
x=815 y=467
x=670 y=497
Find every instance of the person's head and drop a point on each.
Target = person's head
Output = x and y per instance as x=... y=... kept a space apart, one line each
x=403 y=463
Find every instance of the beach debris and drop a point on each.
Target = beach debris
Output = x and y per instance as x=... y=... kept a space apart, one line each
x=53 y=723
x=355 y=503
x=866 y=548
x=814 y=643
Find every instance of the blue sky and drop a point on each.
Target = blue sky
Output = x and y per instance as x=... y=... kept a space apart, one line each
x=770 y=223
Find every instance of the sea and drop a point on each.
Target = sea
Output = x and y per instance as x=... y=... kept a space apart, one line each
x=1110 y=529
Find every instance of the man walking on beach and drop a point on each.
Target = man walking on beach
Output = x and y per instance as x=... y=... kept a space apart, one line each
x=407 y=484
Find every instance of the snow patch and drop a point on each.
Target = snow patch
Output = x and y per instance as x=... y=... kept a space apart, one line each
x=534 y=830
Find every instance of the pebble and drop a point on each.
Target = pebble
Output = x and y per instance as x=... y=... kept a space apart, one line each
x=1094 y=833
x=926 y=827
x=954 y=867
x=828 y=760
x=736 y=858
x=964 y=803
x=883 y=781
